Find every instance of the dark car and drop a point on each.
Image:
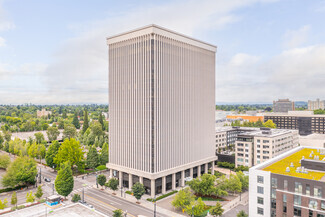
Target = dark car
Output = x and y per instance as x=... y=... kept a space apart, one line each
x=47 y=180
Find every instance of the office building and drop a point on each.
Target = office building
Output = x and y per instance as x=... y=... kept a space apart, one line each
x=289 y=185
x=304 y=121
x=261 y=144
x=283 y=105
x=314 y=105
x=161 y=108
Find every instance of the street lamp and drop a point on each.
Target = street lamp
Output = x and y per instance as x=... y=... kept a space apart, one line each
x=154 y=205
x=16 y=200
x=121 y=190
x=192 y=211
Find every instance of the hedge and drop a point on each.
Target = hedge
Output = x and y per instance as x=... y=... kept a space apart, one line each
x=162 y=196
x=101 y=167
x=12 y=189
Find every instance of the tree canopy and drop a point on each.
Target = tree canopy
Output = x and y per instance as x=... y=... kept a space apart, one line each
x=70 y=150
x=22 y=171
x=64 y=180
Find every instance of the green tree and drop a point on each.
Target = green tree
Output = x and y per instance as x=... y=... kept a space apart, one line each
x=243 y=179
x=1 y=140
x=22 y=171
x=61 y=124
x=76 y=198
x=52 y=151
x=269 y=124
x=4 y=161
x=52 y=133
x=104 y=154
x=113 y=184
x=138 y=190
x=7 y=135
x=39 y=137
x=14 y=198
x=117 y=213
x=75 y=121
x=203 y=185
x=64 y=115
x=96 y=129
x=30 y=198
x=3 y=204
x=233 y=184
x=100 y=120
x=101 y=179
x=69 y=131
x=183 y=198
x=92 y=158
x=64 y=180
x=86 y=122
x=216 y=210
x=70 y=150
x=39 y=192
x=37 y=150
x=195 y=208
x=242 y=213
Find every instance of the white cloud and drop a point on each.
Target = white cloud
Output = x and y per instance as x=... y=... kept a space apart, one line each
x=79 y=70
x=295 y=38
x=298 y=72
x=2 y=42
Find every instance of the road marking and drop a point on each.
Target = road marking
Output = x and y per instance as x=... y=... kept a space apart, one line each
x=106 y=204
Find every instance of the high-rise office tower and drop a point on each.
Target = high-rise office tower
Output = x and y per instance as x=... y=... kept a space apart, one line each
x=161 y=108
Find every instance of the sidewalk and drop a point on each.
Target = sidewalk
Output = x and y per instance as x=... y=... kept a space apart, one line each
x=233 y=203
x=143 y=202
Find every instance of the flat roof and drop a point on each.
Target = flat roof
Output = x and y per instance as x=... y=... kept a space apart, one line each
x=153 y=28
x=274 y=132
x=313 y=136
x=293 y=115
x=284 y=161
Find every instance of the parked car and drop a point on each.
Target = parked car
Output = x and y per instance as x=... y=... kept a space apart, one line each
x=47 y=180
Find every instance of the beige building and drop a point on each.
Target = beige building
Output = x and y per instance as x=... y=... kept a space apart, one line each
x=261 y=144
x=314 y=105
x=43 y=113
x=221 y=139
x=161 y=108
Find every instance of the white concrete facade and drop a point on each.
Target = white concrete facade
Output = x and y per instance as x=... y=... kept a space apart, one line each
x=161 y=103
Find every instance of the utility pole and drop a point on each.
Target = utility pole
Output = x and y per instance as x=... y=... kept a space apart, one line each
x=53 y=189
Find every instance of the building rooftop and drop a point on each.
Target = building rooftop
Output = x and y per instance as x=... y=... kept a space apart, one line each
x=155 y=29
x=313 y=136
x=291 y=160
x=267 y=132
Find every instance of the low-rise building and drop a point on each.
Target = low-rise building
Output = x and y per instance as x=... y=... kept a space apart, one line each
x=43 y=113
x=261 y=144
x=304 y=121
x=291 y=184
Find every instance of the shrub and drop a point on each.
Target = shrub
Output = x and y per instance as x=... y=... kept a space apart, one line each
x=3 y=204
x=241 y=168
x=162 y=196
x=226 y=165
x=101 y=167
x=75 y=198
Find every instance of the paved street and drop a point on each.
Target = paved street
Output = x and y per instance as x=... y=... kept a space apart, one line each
x=233 y=212
x=107 y=203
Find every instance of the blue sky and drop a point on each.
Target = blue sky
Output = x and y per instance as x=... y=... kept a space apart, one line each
x=55 y=51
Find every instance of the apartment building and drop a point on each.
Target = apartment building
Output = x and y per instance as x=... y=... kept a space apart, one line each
x=291 y=184
x=261 y=144
x=304 y=121
x=317 y=104
x=227 y=136
x=161 y=108
x=283 y=105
